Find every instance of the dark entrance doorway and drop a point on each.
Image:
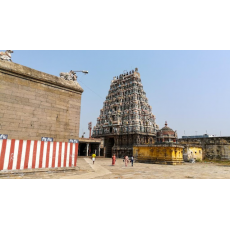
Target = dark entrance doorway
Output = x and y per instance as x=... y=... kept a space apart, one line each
x=101 y=151
x=109 y=146
x=94 y=148
x=82 y=149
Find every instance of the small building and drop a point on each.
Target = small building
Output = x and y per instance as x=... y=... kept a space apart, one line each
x=198 y=136
x=164 y=151
x=167 y=153
x=191 y=152
x=88 y=146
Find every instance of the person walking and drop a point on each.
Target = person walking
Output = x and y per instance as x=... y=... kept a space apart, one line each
x=93 y=157
x=132 y=159
x=113 y=159
x=126 y=161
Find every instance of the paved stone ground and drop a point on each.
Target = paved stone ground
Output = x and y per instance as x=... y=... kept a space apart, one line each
x=103 y=169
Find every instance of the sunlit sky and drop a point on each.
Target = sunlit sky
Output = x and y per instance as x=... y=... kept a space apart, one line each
x=188 y=89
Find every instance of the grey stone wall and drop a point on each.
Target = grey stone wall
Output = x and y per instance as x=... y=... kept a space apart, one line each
x=34 y=104
x=213 y=147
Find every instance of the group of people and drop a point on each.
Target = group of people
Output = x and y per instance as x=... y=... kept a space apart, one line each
x=126 y=160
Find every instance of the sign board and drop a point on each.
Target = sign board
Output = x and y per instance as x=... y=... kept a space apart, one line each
x=47 y=139
x=3 y=136
x=73 y=141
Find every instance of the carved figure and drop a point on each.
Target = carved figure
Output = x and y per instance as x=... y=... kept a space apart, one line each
x=6 y=55
x=70 y=76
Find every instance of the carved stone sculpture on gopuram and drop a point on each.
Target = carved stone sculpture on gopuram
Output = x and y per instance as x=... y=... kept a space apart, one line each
x=126 y=118
x=6 y=55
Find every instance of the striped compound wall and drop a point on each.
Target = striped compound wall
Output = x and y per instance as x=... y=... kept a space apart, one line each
x=27 y=154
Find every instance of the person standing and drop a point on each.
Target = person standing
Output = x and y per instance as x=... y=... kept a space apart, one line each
x=126 y=160
x=113 y=159
x=132 y=160
x=93 y=157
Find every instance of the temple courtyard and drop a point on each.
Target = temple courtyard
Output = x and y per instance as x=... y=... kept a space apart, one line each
x=102 y=169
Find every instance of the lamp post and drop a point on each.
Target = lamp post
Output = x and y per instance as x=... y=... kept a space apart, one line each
x=74 y=72
x=83 y=71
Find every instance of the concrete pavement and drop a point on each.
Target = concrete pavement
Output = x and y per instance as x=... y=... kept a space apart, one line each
x=98 y=171
x=103 y=169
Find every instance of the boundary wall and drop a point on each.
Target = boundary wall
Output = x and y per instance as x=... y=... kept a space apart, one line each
x=32 y=154
x=212 y=147
x=34 y=104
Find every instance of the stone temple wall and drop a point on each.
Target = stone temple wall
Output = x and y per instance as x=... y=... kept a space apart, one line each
x=34 y=104
x=212 y=147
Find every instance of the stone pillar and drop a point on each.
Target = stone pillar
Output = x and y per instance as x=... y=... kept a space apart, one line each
x=87 y=149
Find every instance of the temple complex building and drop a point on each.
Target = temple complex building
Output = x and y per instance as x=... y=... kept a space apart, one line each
x=126 y=118
x=191 y=152
x=88 y=146
x=165 y=150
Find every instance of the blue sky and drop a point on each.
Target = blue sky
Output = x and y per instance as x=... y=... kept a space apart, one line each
x=188 y=89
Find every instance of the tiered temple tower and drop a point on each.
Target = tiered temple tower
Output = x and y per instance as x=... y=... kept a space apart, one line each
x=126 y=118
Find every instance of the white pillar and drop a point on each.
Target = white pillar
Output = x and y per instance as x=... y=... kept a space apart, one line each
x=87 y=149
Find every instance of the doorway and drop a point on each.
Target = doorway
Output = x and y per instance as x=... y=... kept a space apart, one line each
x=109 y=146
x=82 y=149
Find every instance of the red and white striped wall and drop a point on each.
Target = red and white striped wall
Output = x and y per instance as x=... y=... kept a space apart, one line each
x=27 y=154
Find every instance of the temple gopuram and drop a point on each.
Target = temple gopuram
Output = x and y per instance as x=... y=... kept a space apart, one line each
x=126 y=118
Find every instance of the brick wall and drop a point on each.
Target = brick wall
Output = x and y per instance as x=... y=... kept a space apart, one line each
x=35 y=104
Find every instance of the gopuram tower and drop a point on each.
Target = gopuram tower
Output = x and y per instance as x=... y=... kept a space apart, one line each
x=126 y=118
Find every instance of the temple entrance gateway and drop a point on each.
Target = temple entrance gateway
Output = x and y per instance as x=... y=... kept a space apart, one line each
x=109 y=146
x=126 y=118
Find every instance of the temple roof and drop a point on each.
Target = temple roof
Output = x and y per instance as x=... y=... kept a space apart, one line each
x=166 y=129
